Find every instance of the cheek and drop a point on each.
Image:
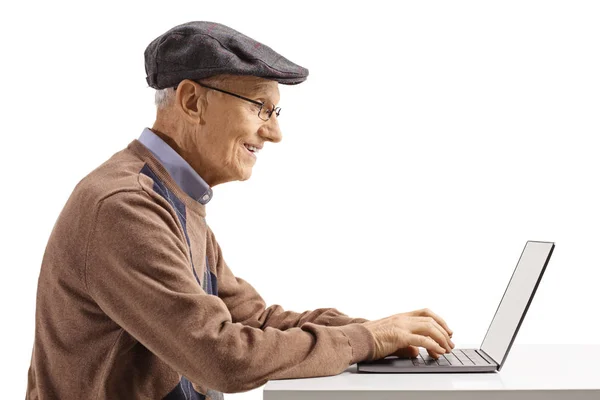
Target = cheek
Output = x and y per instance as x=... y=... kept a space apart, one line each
x=226 y=136
x=236 y=127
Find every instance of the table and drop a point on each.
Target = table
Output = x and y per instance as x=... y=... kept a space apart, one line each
x=533 y=372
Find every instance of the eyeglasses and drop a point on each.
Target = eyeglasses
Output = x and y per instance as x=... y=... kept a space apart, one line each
x=263 y=113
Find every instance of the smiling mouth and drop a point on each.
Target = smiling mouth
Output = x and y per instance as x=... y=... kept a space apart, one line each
x=248 y=151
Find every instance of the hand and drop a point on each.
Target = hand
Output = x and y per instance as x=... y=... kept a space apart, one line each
x=402 y=334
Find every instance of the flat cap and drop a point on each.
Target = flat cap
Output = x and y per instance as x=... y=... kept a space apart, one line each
x=199 y=49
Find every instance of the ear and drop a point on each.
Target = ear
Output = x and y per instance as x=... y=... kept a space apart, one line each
x=190 y=98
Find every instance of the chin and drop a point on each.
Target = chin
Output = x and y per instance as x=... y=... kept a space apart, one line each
x=246 y=176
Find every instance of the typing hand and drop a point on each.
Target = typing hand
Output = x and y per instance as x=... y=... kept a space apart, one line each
x=402 y=334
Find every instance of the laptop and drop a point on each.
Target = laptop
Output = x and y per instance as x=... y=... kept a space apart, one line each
x=491 y=355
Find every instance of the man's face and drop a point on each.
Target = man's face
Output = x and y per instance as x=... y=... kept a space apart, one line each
x=228 y=124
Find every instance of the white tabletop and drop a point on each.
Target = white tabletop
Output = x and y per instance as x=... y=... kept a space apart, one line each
x=531 y=372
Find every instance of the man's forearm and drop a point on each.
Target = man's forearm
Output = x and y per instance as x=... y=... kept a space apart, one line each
x=334 y=317
x=276 y=317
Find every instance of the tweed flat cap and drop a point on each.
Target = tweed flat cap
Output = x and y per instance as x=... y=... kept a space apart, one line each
x=199 y=49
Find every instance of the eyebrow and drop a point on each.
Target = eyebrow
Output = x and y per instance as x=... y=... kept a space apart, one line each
x=255 y=95
x=259 y=90
x=267 y=99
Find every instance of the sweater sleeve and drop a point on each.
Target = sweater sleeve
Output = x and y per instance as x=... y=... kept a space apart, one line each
x=139 y=272
x=248 y=307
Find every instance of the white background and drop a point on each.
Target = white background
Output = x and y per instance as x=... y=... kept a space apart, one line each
x=431 y=140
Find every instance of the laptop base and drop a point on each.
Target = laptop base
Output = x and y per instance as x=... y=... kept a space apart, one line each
x=425 y=364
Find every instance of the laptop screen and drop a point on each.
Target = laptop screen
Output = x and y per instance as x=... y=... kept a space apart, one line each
x=516 y=300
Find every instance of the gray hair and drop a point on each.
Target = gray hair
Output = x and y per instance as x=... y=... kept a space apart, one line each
x=163 y=98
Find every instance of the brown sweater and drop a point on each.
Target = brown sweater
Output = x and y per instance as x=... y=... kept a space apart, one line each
x=135 y=301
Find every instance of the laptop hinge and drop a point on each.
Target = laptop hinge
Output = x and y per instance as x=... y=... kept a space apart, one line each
x=488 y=356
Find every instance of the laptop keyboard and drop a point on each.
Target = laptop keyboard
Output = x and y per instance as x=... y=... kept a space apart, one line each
x=457 y=357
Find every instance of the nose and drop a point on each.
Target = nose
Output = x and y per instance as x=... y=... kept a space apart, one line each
x=270 y=130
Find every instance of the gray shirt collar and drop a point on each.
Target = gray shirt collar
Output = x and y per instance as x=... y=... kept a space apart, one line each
x=179 y=169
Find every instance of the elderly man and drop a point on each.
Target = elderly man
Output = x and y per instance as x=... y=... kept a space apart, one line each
x=135 y=299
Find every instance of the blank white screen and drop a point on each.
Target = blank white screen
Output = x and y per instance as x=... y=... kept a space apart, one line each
x=515 y=299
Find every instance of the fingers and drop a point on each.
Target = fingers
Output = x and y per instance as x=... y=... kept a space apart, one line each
x=404 y=333
x=428 y=327
x=433 y=324
x=425 y=341
x=426 y=312
x=406 y=352
x=433 y=354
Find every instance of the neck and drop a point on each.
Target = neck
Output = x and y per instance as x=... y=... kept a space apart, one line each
x=170 y=132
x=178 y=139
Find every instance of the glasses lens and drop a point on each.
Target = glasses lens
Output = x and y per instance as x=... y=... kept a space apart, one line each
x=265 y=113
